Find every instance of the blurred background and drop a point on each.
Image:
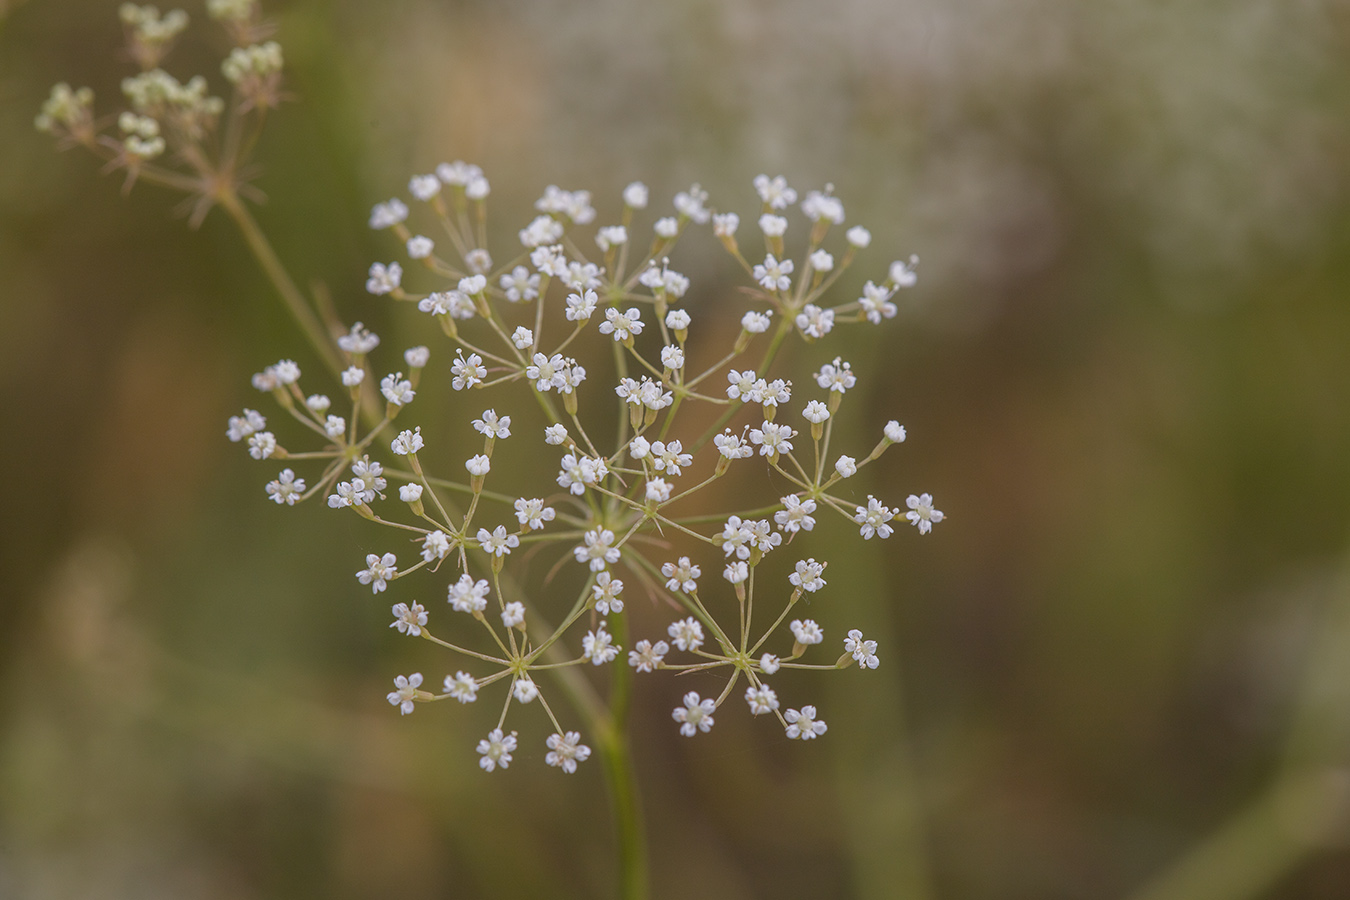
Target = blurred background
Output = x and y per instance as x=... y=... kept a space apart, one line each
x=1121 y=668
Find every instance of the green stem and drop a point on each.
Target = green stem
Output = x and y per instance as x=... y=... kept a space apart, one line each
x=276 y=272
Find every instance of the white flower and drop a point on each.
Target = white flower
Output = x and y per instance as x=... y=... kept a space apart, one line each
x=582 y=276
x=407 y=442
x=736 y=572
x=389 y=213
x=875 y=303
x=408 y=619
x=921 y=513
x=478 y=465
x=821 y=261
x=690 y=204
x=874 y=517
x=736 y=538
x=347 y=493
x=804 y=725
x=467 y=595
x=420 y=246
x=815 y=412
x=597 y=549
x=865 y=652
x=286 y=372
x=458 y=173
x=405 y=692
x=565 y=751
x=796 y=514
x=472 y=285
x=672 y=357
x=768 y=664
x=522 y=337
x=416 y=357
x=814 y=321
x=670 y=457
x=894 y=432
x=555 y=434
x=666 y=227
x=513 y=614
x=733 y=447
x=741 y=383
x=677 y=320
x=774 y=393
x=549 y=261
x=353 y=375
x=755 y=322
x=532 y=513
x=859 y=236
x=773 y=274
x=806 y=631
x=462 y=687
x=580 y=307
x=520 y=285
x=359 y=340
x=397 y=389
x=435 y=545
x=808 y=575
x=646 y=656
x=611 y=236
x=605 y=592
x=762 y=536
x=846 y=466
x=902 y=273
x=598 y=647
x=681 y=576
x=467 y=372
x=424 y=187
x=696 y=715
x=635 y=195
x=410 y=493
x=623 y=325
x=639 y=447
x=687 y=634
x=384 y=279
x=658 y=490
x=496 y=750
x=576 y=205
x=725 y=224
x=497 y=542
x=543 y=230
x=369 y=473
x=286 y=488
x=545 y=371
x=335 y=427
x=773 y=226
x=775 y=191
x=478 y=260
x=772 y=438
x=836 y=376
x=378 y=571
x=762 y=699
x=576 y=473
x=492 y=425
x=819 y=206
x=262 y=445
x=524 y=689
x=318 y=403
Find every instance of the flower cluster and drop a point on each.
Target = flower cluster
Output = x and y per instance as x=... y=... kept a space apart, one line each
x=171 y=132
x=511 y=327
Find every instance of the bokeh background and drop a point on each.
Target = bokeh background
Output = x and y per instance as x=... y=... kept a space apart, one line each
x=1120 y=669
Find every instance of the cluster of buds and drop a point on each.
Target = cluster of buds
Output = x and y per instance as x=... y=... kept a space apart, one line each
x=623 y=478
x=184 y=117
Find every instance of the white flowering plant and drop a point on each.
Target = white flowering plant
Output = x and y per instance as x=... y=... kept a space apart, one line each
x=636 y=436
